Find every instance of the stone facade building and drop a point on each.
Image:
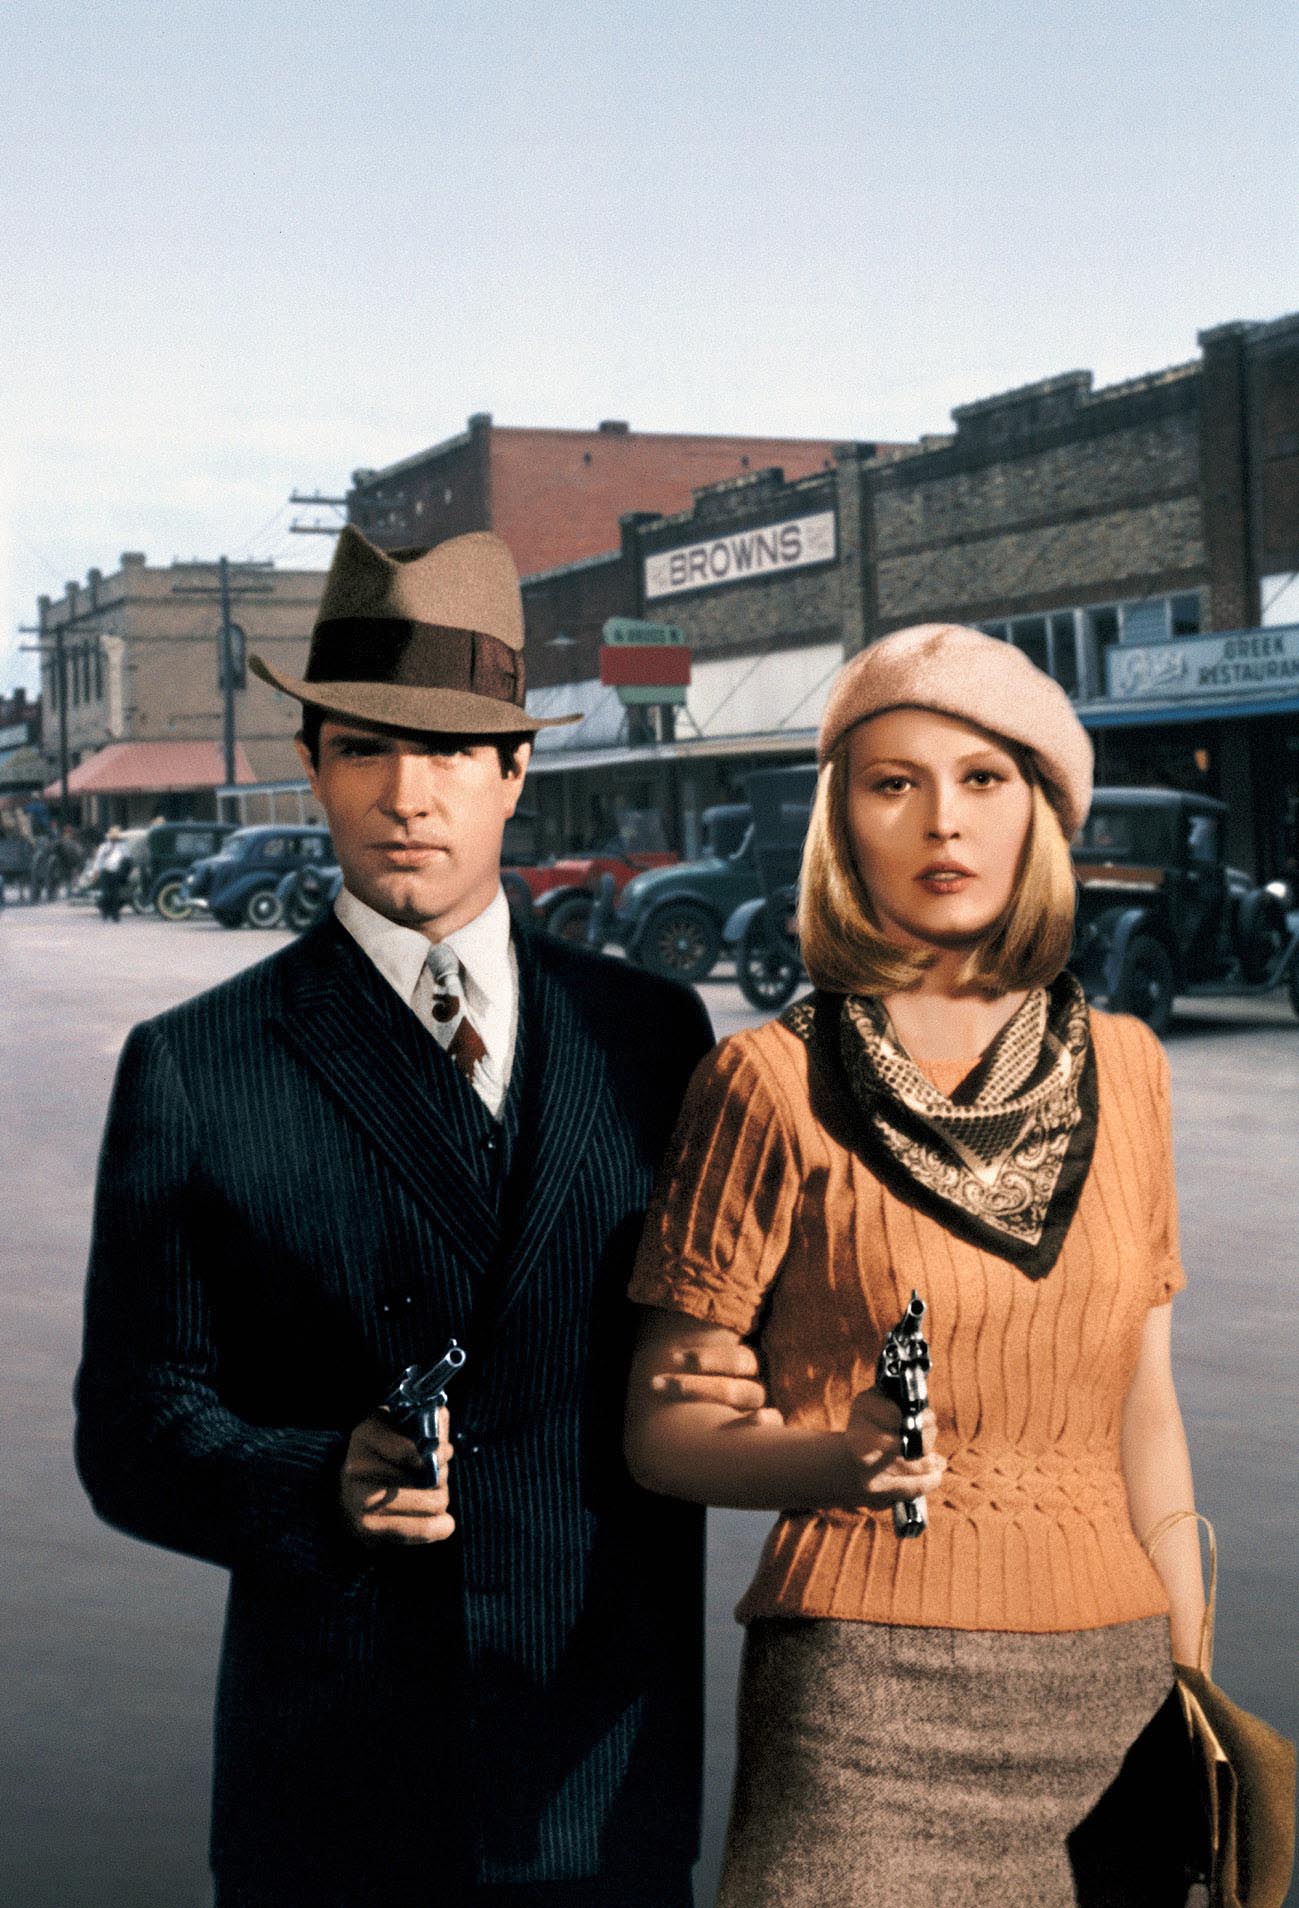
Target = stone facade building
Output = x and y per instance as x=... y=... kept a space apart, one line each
x=141 y=672
x=1140 y=543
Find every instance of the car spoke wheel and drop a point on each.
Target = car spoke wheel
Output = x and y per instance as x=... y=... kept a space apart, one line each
x=264 y=909
x=767 y=971
x=1145 y=985
x=681 y=942
x=171 y=903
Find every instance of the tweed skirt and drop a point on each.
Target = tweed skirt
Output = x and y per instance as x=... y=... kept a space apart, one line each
x=942 y=1768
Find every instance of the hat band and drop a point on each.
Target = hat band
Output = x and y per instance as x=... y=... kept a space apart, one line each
x=415 y=656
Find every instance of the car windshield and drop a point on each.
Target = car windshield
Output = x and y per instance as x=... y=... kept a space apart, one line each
x=238 y=844
x=1143 y=836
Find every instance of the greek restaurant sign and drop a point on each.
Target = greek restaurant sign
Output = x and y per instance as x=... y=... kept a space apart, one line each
x=1246 y=662
x=777 y=546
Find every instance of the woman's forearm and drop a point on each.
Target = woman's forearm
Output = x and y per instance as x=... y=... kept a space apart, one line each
x=708 y=1455
x=1157 y=1471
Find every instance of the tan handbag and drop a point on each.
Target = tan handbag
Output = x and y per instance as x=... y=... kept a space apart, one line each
x=1246 y=1770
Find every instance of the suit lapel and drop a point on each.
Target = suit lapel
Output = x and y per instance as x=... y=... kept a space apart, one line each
x=567 y=1082
x=336 y=1017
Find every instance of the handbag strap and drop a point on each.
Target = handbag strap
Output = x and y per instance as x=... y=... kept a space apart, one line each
x=1165 y=1524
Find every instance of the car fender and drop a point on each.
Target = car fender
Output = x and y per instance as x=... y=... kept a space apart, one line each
x=739 y=919
x=1130 y=923
x=552 y=897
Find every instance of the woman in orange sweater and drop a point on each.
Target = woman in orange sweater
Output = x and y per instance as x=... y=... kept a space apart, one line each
x=937 y=1720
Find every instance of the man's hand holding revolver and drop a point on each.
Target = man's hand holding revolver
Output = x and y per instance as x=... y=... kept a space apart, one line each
x=384 y=1488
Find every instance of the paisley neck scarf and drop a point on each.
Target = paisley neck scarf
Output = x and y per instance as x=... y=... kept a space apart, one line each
x=1003 y=1160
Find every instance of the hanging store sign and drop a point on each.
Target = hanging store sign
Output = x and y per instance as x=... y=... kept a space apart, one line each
x=745 y=553
x=647 y=663
x=1244 y=661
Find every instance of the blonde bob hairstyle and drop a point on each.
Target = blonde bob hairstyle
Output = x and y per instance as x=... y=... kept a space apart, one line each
x=844 y=951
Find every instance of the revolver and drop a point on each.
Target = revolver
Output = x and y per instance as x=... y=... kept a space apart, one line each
x=415 y=1400
x=900 y=1374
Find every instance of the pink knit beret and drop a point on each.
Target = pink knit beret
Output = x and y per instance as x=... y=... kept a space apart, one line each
x=976 y=678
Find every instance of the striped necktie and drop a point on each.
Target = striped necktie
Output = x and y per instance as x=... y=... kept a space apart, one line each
x=454 y=1029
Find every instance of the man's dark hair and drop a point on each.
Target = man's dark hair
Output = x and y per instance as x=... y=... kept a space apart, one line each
x=506 y=746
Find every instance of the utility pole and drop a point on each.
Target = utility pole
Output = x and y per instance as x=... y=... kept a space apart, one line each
x=317 y=529
x=42 y=648
x=224 y=591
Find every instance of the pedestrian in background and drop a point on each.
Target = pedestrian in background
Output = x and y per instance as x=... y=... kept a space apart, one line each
x=937 y=1718
x=111 y=870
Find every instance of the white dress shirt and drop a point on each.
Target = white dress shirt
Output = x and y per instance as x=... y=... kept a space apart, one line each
x=491 y=970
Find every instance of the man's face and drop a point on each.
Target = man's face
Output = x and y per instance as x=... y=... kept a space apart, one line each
x=416 y=821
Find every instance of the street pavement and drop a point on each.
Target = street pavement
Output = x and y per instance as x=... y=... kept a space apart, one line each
x=108 y=1647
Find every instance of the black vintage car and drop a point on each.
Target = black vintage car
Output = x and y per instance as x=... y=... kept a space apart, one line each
x=168 y=852
x=1159 y=911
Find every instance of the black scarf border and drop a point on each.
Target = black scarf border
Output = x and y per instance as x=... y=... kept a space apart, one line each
x=1033 y=1260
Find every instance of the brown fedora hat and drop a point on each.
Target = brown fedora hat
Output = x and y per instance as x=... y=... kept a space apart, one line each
x=430 y=640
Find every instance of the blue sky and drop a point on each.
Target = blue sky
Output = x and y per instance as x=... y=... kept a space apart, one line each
x=253 y=248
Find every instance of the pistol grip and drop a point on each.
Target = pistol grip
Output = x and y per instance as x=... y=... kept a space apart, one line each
x=910 y=1517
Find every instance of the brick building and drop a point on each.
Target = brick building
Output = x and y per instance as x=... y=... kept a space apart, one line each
x=1139 y=542
x=556 y=496
x=141 y=675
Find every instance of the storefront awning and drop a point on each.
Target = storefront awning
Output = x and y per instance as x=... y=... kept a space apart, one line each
x=1115 y=714
x=153 y=768
x=764 y=704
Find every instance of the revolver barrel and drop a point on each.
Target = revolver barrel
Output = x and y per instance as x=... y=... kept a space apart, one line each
x=415 y=1400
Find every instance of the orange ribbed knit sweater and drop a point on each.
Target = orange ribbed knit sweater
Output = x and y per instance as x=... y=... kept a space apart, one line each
x=764 y=1223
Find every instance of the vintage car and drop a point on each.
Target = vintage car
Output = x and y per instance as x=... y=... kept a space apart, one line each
x=760 y=932
x=167 y=853
x=670 y=920
x=1160 y=913
x=559 y=895
x=238 y=885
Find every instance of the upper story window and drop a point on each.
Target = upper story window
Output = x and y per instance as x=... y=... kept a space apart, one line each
x=1071 y=644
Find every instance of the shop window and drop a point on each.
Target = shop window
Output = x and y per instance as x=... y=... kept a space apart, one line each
x=1146 y=621
x=1102 y=634
x=1064 y=651
x=1184 y=614
x=1029 y=634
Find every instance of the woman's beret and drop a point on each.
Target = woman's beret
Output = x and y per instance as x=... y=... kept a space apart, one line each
x=976 y=678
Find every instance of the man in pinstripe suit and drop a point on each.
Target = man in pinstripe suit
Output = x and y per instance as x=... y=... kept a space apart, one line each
x=411 y=1125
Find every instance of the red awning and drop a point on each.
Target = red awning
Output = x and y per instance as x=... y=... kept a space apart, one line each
x=153 y=768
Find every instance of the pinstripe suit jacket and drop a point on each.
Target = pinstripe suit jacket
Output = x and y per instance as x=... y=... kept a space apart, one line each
x=288 y=1212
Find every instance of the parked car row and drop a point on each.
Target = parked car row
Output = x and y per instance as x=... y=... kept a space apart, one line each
x=1160 y=914
x=1159 y=911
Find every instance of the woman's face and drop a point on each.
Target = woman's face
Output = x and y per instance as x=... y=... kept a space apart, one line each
x=929 y=796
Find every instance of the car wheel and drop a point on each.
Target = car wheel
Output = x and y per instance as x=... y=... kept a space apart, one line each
x=1145 y=983
x=171 y=903
x=767 y=970
x=570 y=919
x=681 y=942
x=1292 y=983
x=301 y=912
x=1261 y=934
x=263 y=908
